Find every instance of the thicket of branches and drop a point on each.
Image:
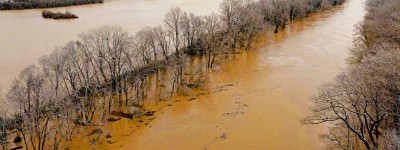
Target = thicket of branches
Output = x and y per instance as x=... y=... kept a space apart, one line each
x=58 y=15
x=108 y=72
x=363 y=103
x=31 y=4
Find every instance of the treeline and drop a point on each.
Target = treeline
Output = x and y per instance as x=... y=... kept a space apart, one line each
x=108 y=72
x=31 y=4
x=364 y=101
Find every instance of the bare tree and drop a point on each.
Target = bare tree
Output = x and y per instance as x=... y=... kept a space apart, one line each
x=365 y=101
x=152 y=40
x=250 y=23
x=142 y=46
x=191 y=27
x=229 y=9
x=275 y=12
x=172 y=21
x=163 y=41
x=4 y=122
x=297 y=8
x=313 y=5
x=107 y=44
x=32 y=96
x=52 y=66
x=355 y=103
x=211 y=37
x=231 y=17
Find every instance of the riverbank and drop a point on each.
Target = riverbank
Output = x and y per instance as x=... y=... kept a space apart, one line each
x=27 y=4
x=363 y=101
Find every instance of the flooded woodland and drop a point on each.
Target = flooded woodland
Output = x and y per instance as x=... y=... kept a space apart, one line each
x=251 y=98
x=256 y=100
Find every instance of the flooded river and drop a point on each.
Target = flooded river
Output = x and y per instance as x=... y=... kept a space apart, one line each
x=25 y=35
x=254 y=101
x=257 y=100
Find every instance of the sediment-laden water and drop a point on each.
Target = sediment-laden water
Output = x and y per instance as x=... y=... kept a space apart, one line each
x=258 y=98
x=253 y=101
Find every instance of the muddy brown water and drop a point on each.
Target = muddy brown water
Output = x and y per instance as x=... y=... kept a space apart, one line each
x=254 y=101
x=25 y=36
x=258 y=98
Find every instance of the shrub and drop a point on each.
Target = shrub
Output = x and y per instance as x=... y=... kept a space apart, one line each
x=58 y=15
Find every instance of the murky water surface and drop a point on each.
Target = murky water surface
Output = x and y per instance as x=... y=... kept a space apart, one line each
x=254 y=102
x=25 y=35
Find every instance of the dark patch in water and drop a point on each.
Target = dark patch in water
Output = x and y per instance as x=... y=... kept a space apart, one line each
x=149 y=113
x=96 y=131
x=113 y=119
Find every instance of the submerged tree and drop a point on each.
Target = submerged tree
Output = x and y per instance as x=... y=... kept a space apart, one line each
x=275 y=12
x=108 y=46
x=35 y=111
x=210 y=39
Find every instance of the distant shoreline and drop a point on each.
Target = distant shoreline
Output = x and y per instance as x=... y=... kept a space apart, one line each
x=28 y=4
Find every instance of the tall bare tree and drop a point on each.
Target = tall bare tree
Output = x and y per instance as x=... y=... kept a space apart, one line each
x=275 y=12
x=107 y=44
x=355 y=103
x=163 y=41
x=172 y=22
x=192 y=26
x=211 y=37
x=297 y=8
x=52 y=66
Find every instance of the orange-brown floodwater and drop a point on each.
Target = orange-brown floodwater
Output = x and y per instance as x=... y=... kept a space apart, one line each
x=257 y=99
x=253 y=101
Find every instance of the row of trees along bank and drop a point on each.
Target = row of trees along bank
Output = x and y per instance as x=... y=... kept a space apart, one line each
x=31 y=4
x=107 y=71
x=363 y=103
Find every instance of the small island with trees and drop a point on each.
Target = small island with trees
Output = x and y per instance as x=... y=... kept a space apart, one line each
x=58 y=15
